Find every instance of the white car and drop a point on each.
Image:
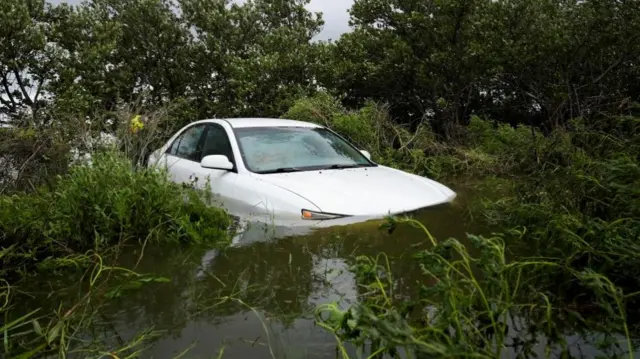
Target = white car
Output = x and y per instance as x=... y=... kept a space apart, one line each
x=291 y=171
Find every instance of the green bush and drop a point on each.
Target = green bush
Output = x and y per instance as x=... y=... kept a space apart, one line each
x=319 y=109
x=579 y=206
x=482 y=305
x=104 y=204
x=488 y=150
x=501 y=138
x=360 y=127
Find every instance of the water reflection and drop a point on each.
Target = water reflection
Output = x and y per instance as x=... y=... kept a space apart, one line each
x=257 y=298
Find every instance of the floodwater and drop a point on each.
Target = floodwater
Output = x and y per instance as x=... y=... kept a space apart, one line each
x=257 y=299
x=276 y=284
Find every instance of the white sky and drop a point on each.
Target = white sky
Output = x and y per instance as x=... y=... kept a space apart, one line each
x=334 y=13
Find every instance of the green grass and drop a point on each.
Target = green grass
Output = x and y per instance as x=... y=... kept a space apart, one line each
x=75 y=229
x=105 y=204
x=564 y=259
x=468 y=306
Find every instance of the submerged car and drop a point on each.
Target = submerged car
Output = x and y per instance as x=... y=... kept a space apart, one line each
x=289 y=170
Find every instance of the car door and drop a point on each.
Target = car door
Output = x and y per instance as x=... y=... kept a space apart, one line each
x=184 y=154
x=221 y=182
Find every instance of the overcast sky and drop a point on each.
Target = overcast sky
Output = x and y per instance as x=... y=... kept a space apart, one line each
x=334 y=13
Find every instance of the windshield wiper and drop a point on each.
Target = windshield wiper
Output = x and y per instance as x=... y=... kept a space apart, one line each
x=339 y=167
x=298 y=169
x=282 y=170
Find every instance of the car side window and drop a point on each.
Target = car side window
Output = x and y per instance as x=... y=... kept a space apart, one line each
x=189 y=145
x=217 y=142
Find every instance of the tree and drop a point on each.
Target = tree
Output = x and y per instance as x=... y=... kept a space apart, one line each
x=420 y=57
x=123 y=49
x=538 y=62
x=253 y=59
x=29 y=55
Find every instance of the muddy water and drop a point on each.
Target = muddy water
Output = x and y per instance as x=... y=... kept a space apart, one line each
x=257 y=299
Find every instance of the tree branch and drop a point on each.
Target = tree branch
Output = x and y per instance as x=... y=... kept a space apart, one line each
x=615 y=64
x=5 y=84
x=6 y=102
x=38 y=89
x=459 y=19
x=27 y=99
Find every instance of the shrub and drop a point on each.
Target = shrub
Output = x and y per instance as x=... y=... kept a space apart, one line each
x=319 y=109
x=105 y=204
x=485 y=305
x=30 y=158
x=579 y=206
x=360 y=127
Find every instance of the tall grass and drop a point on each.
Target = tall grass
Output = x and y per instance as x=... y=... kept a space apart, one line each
x=483 y=306
x=78 y=226
x=580 y=207
x=106 y=203
x=566 y=257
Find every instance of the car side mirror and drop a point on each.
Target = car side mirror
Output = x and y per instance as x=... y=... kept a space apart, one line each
x=216 y=162
x=366 y=154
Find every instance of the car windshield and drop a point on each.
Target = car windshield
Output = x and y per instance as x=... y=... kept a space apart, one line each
x=292 y=149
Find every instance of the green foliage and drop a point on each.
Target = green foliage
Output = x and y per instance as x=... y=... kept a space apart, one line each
x=220 y=59
x=369 y=128
x=498 y=139
x=27 y=61
x=517 y=61
x=581 y=200
x=253 y=58
x=104 y=204
x=471 y=305
x=485 y=149
x=320 y=109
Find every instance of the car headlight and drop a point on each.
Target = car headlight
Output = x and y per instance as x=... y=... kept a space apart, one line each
x=311 y=215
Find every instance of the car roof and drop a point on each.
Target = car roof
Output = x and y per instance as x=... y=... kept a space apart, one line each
x=266 y=122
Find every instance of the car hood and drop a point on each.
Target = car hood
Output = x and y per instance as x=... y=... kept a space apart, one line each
x=368 y=191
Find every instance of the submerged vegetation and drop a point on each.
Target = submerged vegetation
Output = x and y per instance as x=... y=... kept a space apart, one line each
x=532 y=102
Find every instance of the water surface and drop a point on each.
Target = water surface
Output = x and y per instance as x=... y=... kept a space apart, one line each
x=272 y=280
